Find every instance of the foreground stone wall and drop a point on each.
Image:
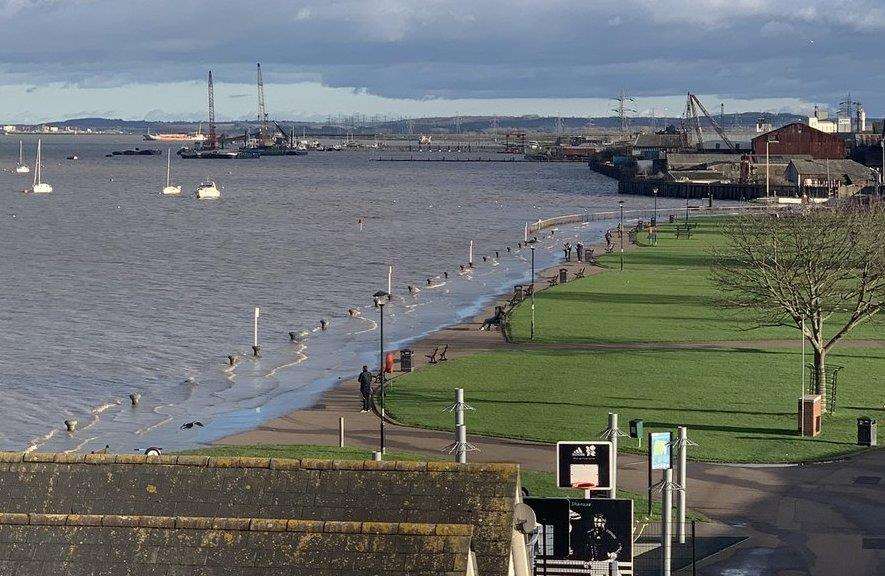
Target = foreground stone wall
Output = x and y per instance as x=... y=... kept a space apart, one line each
x=42 y=545
x=478 y=495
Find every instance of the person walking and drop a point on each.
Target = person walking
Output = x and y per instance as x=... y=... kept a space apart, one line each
x=365 y=380
x=653 y=234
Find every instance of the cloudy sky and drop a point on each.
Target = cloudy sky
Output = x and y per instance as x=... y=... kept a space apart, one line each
x=148 y=59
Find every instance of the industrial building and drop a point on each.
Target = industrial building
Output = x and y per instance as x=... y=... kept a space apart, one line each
x=829 y=173
x=798 y=139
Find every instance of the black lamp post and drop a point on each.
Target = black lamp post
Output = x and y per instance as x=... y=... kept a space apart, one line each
x=654 y=217
x=621 y=233
x=380 y=299
x=533 y=292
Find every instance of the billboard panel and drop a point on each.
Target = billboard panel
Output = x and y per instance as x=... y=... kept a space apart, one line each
x=659 y=450
x=584 y=465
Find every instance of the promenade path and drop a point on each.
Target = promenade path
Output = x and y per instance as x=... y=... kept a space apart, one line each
x=816 y=519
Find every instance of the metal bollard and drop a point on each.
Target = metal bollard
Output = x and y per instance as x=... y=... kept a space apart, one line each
x=376 y=456
x=71 y=425
x=135 y=397
x=341 y=432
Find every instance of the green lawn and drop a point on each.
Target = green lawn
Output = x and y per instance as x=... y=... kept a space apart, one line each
x=537 y=483
x=664 y=294
x=739 y=405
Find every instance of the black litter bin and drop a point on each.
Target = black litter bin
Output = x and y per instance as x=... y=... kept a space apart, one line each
x=866 y=431
x=636 y=428
x=405 y=360
x=563 y=275
x=672 y=218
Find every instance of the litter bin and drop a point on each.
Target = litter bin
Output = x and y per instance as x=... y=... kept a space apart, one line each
x=636 y=428
x=405 y=360
x=672 y=218
x=563 y=275
x=866 y=431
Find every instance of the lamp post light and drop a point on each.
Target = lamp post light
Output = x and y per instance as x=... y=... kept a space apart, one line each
x=533 y=292
x=768 y=143
x=621 y=232
x=654 y=217
x=380 y=299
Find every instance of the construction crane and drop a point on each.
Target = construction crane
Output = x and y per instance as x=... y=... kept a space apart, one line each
x=212 y=139
x=262 y=106
x=692 y=120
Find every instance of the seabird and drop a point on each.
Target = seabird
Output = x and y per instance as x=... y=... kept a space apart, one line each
x=189 y=425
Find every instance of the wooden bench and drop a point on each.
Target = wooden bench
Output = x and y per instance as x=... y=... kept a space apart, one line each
x=580 y=273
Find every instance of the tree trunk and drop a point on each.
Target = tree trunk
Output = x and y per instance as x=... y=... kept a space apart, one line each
x=820 y=377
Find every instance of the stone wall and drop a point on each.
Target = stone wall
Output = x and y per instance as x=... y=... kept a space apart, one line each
x=478 y=495
x=67 y=545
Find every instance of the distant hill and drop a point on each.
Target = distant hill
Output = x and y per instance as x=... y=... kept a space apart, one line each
x=434 y=125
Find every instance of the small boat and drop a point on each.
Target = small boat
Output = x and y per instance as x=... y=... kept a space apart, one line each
x=22 y=168
x=169 y=189
x=73 y=157
x=40 y=187
x=208 y=191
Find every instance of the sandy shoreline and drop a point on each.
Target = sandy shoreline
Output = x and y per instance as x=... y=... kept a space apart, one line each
x=318 y=423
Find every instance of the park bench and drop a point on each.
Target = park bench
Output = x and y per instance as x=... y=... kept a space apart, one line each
x=683 y=229
x=580 y=273
x=552 y=280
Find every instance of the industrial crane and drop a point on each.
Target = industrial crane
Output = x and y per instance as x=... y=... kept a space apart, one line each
x=212 y=139
x=692 y=105
x=262 y=106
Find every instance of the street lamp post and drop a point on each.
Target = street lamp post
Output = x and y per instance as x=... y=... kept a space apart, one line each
x=380 y=299
x=768 y=142
x=533 y=292
x=621 y=233
x=654 y=217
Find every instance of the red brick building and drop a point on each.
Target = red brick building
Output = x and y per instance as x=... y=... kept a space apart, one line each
x=797 y=139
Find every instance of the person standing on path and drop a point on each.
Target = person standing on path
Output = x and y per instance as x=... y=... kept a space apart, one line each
x=365 y=380
x=653 y=234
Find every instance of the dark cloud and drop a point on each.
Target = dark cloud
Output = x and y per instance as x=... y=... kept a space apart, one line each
x=810 y=49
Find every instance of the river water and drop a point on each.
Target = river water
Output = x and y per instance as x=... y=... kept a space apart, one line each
x=109 y=288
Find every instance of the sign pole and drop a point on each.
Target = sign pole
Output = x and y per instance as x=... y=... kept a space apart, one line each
x=650 y=494
x=666 y=522
x=390 y=279
x=470 y=255
x=256 y=349
x=613 y=427
x=680 y=494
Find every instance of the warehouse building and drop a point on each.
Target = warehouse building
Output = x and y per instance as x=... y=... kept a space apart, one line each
x=798 y=139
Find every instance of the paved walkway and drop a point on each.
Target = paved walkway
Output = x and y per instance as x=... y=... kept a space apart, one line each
x=820 y=519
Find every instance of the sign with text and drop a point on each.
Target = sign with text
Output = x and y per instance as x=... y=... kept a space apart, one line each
x=582 y=536
x=584 y=465
x=659 y=450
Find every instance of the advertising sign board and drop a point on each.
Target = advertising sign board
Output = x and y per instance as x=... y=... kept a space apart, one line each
x=659 y=450
x=584 y=465
x=583 y=536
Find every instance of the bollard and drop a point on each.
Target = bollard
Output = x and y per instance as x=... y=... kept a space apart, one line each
x=256 y=351
x=341 y=432
x=666 y=522
x=71 y=425
x=376 y=456
x=134 y=398
x=497 y=254
x=232 y=359
x=292 y=336
x=255 y=348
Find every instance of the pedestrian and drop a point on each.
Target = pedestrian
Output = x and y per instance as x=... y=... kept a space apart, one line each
x=608 y=241
x=653 y=234
x=365 y=380
x=567 y=250
x=579 y=252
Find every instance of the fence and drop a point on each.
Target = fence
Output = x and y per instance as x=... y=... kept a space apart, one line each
x=648 y=213
x=647 y=555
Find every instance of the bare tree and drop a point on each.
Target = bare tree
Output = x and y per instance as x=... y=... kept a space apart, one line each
x=820 y=266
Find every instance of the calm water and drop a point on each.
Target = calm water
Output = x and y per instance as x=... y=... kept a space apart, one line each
x=110 y=288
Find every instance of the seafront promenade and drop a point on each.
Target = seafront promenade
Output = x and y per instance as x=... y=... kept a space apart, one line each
x=798 y=518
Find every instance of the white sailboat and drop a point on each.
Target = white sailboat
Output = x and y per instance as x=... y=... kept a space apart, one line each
x=22 y=168
x=169 y=189
x=208 y=191
x=40 y=187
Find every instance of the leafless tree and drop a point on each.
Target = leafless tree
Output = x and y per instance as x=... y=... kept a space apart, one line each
x=806 y=269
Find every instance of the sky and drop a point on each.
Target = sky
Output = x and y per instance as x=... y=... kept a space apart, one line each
x=136 y=59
